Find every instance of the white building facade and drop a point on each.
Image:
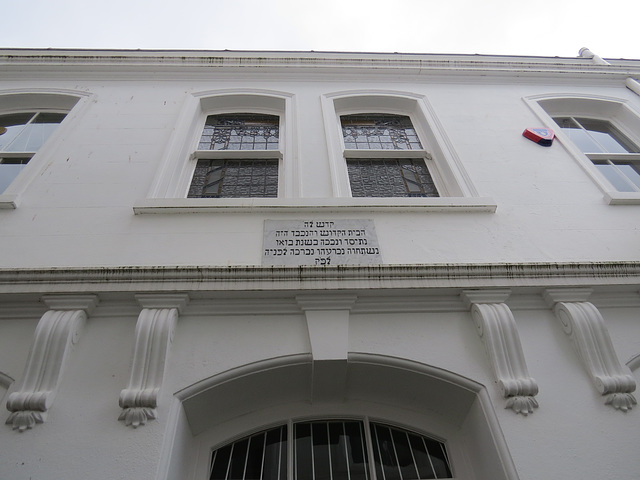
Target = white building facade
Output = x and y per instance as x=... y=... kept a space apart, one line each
x=253 y=265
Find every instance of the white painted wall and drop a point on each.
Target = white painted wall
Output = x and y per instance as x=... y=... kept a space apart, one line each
x=78 y=212
x=548 y=209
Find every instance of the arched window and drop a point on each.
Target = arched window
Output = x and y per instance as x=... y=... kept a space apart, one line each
x=601 y=133
x=237 y=157
x=227 y=146
x=21 y=136
x=332 y=450
x=615 y=156
x=391 y=138
x=394 y=419
x=28 y=122
x=385 y=157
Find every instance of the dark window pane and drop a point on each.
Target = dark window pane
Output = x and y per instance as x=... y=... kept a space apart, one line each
x=339 y=451
x=334 y=450
x=378 y=131
x=234 y=179
x=253 y=470
x=331 y=450
x=14 y=119
x=421 y=456
x=220 y=463
x=438 y=458
x=359 y=464
x=275 y=458
x=261 y=456
x=48 y=117
x=240 y=131
x=402 y=455
x=238 y=459
x=321 y=460
x=390 y=178
x=303 y=452
x=386 y=462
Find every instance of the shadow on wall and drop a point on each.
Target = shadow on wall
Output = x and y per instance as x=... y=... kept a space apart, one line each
x=437 y=402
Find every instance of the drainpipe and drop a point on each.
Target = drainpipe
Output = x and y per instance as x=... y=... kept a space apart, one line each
x=586 y=53
x=633 y=85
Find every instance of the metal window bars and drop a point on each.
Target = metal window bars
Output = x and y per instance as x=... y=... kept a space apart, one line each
x=240 y=131
x=390 y=177
x=379 y=132
x=333 y=450
x=242 y=178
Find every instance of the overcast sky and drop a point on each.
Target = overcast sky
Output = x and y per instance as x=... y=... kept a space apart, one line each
x=502 y=27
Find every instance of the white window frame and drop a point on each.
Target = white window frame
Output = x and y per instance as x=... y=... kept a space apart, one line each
x=420 y=154
x=616 y=111
x=168 y=189
x=451 y=179
x=55 y=100
x=168 y=192
x=239 y=154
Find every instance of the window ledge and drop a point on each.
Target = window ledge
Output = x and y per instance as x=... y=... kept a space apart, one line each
x=8 y=202
x=622 y=198
x=255 y=205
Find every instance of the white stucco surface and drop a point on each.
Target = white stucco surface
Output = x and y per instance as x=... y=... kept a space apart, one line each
x=101 y=211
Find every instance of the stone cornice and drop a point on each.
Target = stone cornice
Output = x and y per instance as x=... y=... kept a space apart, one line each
x=169 y=61
x=257 y=278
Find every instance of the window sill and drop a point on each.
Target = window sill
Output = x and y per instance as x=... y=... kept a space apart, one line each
x=622 y=198
x=8 y=202
x=256 y=205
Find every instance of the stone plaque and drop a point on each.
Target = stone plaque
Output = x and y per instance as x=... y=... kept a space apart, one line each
x=320 y=242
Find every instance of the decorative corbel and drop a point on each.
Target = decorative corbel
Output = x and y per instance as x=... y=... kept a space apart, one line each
x=497 y=329
x=154 y=333
x=582 y=321
x=57 y=331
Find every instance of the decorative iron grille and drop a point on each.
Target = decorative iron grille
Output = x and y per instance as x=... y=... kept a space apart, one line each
x=240 y=131
x=235 y=179
x=390 y=177
x=379 y=132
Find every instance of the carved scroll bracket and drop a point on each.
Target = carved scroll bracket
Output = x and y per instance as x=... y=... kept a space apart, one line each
x=57 y=331
x=497 y=329
x=583 y=322
x=154 y=333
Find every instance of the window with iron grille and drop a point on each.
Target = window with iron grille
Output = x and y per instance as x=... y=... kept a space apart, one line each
x=390 y=177
x=21 y=136
x=385 y=157
x=236 y=157
x=234 y=179
x=614 y=155
x=379 y=132
x=332 y=450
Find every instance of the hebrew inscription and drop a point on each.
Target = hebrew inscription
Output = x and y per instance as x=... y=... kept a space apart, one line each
x=320 y=242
